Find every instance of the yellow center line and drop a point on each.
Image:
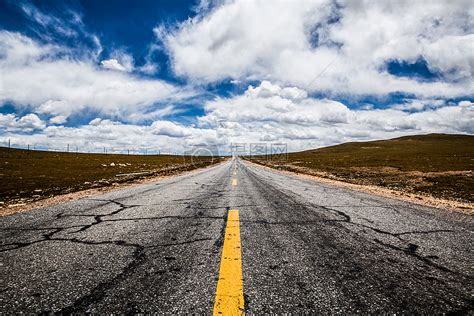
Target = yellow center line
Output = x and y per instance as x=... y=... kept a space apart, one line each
x=234 y=181
x=230 y=287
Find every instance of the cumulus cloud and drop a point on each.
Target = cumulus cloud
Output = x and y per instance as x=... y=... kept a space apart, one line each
x=120 y=61
x=293 y=50
x=294 y=44
x=170 y=129
x=60 y=119
x=270 y=116
x=267 y=89
x=27 y=123
x=309 y=122
x=418 y=105
x=163 y=136
x=41 y=78
x=113 y=64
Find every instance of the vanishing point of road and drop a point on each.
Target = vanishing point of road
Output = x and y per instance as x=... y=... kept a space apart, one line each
x=236 y=238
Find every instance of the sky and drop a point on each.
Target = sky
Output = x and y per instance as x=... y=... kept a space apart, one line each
x=171 y=76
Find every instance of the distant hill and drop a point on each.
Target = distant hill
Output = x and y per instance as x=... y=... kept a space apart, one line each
x=440 y=165
x=432 y=152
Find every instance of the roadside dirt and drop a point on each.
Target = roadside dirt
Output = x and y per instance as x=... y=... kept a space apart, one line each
x=28 y=205
x=327 y=178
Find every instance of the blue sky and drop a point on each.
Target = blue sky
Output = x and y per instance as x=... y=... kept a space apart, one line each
x=177 y=74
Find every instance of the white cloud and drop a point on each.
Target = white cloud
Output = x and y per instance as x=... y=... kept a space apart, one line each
x=465 y=103
x=418 y=105
x=268 y=117
x=113 y=64
x=290 y=48
x=148 y=68
x=273 y=40
x=49 y=28
x=120 y=61
x=170 y=129
x=307 y=122
x=34 y=76
x=27 y=123
x=267 y=89
x=60 y=119
x=49 y=21
x=99 y=133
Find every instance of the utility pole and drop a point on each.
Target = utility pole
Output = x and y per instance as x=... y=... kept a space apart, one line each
x=9 y=143
x=77 y=150
x=67 y=147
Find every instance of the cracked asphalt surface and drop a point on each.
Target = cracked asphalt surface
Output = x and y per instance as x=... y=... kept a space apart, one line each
x=306 y=247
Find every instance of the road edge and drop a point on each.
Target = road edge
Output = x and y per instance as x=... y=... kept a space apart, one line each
x=77 y=195
x=419 y=199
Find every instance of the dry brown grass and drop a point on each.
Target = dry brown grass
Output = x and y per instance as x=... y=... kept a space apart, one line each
x=435 y=165
x=27 y=176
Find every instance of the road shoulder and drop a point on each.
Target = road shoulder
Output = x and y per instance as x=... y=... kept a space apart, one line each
x=62 y=198
x=455 y=206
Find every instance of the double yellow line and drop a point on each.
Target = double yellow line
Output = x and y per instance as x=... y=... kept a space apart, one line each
x=230 y=288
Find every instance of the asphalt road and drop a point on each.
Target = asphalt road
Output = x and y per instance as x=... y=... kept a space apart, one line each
x=305 y=247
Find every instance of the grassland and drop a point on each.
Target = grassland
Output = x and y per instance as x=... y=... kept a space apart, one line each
x=33 y=175
x=437 y=165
